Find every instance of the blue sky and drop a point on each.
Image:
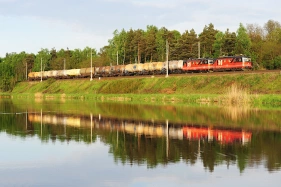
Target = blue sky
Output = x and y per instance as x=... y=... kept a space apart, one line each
x=29 y=25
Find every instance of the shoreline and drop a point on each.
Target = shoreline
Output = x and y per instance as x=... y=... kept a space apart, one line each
x=230 y=88
x=261 y=101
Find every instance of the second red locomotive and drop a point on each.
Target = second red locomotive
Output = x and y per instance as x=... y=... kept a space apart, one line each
x=228 y=63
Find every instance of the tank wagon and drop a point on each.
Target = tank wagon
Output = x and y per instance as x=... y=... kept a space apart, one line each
x=226 y=63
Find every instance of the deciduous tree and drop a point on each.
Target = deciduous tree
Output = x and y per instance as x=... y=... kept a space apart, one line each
x=243 y=42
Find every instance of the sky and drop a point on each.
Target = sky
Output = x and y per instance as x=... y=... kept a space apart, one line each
x=30 y=25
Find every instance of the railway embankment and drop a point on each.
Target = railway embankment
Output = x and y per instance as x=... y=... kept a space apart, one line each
x=257 y=87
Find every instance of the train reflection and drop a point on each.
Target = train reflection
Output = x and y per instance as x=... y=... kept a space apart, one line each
x=148 y=129
x=223 y=136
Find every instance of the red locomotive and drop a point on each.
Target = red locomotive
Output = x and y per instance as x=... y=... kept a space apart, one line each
x=229 y=63
x=232 y=63
x=198 y=65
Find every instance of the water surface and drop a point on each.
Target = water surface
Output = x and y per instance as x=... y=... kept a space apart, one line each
x=79 y=143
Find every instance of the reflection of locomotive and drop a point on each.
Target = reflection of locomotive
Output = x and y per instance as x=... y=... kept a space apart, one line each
x=148 y=129
x=223 y=136
x=177 y=66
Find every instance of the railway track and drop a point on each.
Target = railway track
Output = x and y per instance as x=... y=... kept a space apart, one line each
x=178 y=75
x=192 y=74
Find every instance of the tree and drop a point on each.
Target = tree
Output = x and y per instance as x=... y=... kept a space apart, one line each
x=138 y=44
x=161 y=37
x=53 y=60
x=123 y=44
x=271 y=46
x=151 y=45
x=29 y=61
x=76 y=58
x=173 y=38
x=270 y=27
x=85 y=56
x=187 y=45
x=243 y=42
x=114 y=45
x=130 y=58
x=229 y=43
x=45 y=55
x=193 y=42
x=103 y=57
x=277 y=62
x=182 y=48
x=218 y=45
x=207 y=39
x=256 y=35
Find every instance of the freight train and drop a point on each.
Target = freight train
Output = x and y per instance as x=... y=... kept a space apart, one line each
x=145 y=128
x=226 y=63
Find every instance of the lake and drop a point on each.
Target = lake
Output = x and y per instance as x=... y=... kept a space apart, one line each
x=87 y=143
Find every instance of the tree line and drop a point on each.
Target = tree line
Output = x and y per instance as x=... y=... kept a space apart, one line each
x=261 y=43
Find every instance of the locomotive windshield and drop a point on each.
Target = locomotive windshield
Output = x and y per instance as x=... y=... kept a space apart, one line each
x=246 y=59
x=210 y=61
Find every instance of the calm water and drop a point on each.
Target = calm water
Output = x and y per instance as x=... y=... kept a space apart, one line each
x=79 y=143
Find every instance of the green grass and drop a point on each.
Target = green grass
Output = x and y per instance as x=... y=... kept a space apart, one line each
x=261 y=88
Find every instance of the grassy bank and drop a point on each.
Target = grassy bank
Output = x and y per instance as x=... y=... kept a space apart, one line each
x=258 y=88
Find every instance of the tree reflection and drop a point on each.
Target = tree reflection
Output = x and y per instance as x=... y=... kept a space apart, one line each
x=151 y=142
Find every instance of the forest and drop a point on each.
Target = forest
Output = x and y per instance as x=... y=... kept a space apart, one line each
x=261 y=43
